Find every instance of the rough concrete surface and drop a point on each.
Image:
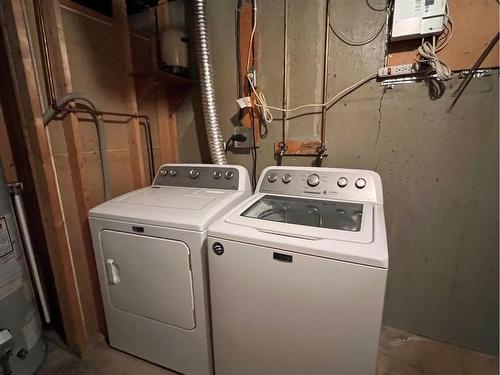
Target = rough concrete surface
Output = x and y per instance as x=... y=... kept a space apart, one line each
x=439 y=169
x=400 y=353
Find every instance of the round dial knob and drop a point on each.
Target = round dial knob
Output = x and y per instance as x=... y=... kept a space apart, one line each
x=229 y=175
x=194 y=173
x=172 y=172
x=342 y=182
x=313 y=180
x=360 y=183
x=163 y=172
x=272 y=177
x=286 y=178
x=217 y=175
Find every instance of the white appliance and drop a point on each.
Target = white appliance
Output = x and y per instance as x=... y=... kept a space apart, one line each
x=417 y=18
x=298 y=274
x=151 y=255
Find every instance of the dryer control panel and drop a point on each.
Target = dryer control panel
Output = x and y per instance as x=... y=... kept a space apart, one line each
x=198 y=176
x=328 y=183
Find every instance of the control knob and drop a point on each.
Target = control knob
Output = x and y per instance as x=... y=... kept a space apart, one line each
x=272 y=177
x=172 y=173
x=194 y=173
x=342 y=182
x=163 y=172
x=217 y=175
x=229 y=175
x=313 y=180
x=286 y=178
x=360 y=183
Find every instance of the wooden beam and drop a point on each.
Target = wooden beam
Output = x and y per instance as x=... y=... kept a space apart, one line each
x=15 y=25
x=6 y=156
x=134 y=133
x=249 y=116
x=167 y=129
x=85 y=269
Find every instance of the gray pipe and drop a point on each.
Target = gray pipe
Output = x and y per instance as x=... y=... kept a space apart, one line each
x=207 y=86
x=101 y=136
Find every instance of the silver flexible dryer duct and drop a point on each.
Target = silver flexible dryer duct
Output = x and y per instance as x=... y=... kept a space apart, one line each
x=207 y=86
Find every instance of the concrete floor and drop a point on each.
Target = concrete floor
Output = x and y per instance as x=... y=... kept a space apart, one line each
x=400 y=353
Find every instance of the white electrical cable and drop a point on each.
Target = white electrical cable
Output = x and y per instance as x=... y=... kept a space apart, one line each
x=254 y=12
x=357 y=43
x=428 y=51
x=265 y=109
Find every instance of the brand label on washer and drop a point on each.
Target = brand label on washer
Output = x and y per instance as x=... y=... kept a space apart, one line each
x=218 y=248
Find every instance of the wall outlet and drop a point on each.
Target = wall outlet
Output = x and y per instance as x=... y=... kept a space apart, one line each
x=398 y=70
x=248 y=133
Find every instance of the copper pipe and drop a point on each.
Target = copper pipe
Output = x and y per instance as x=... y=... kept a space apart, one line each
x=285 y=72
x=325 y=77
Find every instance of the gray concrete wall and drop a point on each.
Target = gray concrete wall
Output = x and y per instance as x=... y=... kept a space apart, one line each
x=440 y=170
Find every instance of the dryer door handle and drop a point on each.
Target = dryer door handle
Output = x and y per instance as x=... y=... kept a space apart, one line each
x=112 y=272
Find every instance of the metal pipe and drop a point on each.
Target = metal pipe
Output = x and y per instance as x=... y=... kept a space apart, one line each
x=28 y=247
x=47 y=68
x=143 y=120
x=207 y=85
x=285 y=72
x=57 y=108
x=325 y=77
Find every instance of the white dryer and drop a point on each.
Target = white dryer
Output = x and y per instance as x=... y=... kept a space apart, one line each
x=298 y=274
x=151 y=256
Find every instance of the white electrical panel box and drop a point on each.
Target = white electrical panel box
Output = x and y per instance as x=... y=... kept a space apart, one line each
x=417 y=18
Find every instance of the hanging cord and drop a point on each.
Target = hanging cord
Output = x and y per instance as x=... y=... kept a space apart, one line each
x=356 y=43
x=265 y=109
x=427 y=52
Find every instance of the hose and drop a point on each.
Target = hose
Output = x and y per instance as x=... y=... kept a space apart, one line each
x=207 y=86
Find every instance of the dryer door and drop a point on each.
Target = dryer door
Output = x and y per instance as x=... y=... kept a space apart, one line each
x=149 y=277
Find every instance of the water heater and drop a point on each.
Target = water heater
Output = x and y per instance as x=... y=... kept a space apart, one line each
x=22 y=349
x=417 y=18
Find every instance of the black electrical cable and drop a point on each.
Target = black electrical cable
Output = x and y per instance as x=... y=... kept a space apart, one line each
x=254 y=152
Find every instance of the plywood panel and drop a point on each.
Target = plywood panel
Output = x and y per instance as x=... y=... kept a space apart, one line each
x=475 y=24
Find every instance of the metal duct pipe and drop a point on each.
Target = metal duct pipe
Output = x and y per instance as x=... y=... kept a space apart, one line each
x=207 y=86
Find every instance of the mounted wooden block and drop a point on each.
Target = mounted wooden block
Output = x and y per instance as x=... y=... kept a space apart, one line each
x=299 y=148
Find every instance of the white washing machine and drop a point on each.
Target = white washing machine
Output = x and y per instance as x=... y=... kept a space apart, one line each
x=298 y=274
x=151 y=255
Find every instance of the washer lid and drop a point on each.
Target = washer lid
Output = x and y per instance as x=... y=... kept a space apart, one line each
x=357 y=240
x=307 y=218
x=176 y=207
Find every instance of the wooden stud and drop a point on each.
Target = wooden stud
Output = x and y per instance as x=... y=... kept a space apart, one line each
x=167 y=130
x=22 y=72
x=6 y=156
x=134 y=134
x=85 y=269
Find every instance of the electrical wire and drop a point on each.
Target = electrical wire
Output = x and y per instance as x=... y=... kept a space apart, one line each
x=265 y=109
x=356 y=43
x=427 y=52
x=254 y=21
x=375 y=9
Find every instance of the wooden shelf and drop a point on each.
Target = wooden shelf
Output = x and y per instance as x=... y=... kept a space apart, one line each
x=177 y=87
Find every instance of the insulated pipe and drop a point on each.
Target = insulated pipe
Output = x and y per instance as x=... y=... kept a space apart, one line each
x=28 y=247
x=58 y=108
x=207 y=86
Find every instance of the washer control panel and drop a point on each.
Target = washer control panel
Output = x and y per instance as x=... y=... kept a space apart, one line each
x=346 y=184
x=199 y=176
